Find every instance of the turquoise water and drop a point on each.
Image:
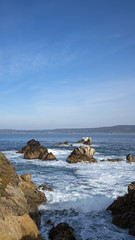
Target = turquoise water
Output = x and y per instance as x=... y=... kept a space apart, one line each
x=82 y=191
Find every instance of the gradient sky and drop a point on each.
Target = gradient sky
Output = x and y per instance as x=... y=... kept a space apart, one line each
x=67 y=63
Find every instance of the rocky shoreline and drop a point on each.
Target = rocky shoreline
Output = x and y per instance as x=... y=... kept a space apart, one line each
x=20 y=198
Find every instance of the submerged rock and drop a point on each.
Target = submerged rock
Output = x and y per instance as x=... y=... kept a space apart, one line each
x=33 y=150
x=82 y=154
x=62 y=232
x=130 y=158
x=19 y=200
x=123 y=210
x=85 y=140
x=44 y=187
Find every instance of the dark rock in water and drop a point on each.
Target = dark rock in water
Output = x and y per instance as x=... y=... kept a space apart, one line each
x=62 y=232
x=85 y=140
x=64 y=144
x=115 y=160
x=130 y=158
x=82 y=154
x=19 y=200
x=44 y=187
x=33 y=150
x=123 y=210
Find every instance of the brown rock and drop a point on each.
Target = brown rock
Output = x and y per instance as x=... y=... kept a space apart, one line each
x=44 y=187
x=115 y=160
x=19 y=200
x=65 y=143
x=85 y=140
x=34 y=150
x=62 y=232
x=130 y=158
x=82 y=154
x=26 y=177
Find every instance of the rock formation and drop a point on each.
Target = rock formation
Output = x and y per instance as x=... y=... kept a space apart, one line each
x=19 y=200
x=62 y=232
x=33 y=150
x=44 y=187
x=65 y=144
x=82 y=154
x=85 y=140
x=130 y=158
x=123 y=210
x=115 y=160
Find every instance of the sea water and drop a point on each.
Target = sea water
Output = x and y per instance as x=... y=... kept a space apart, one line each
x=82 y=191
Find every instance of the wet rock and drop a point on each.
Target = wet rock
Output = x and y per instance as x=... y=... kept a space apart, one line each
x=115 y=160
x=44 y=187
x=33 y=150
x=65 y=143
x=85 y=140
x=82 y=154
x=62 y=232
x=130 y=158
x=123 y=210
x=19 y=200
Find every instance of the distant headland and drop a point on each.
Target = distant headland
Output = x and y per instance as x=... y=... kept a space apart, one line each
x=111 y=129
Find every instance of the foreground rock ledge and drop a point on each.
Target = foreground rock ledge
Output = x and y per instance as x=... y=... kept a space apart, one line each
x=82 y=154
x=19 y=200
x=123 y=210
x=33 y=150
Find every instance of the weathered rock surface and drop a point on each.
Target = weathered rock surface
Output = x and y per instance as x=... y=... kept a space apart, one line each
x=82 y=154
x=62 y=232
x=65 y=144
x=44 y=187
x=130 y=158
x=123 y=210
x=19 y=200
x=33 y=150
x=85 y=140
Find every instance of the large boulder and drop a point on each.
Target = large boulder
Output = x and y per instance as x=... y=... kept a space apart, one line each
x=33 y=150
x=85 y=140
x=123 y=210
x=130 y=158
x=82 y=154
x=19 y=200
x=62 y=232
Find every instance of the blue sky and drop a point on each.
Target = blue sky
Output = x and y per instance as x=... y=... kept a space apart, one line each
x=67 y=63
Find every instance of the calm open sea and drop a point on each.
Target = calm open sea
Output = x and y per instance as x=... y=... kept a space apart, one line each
x=82 y=191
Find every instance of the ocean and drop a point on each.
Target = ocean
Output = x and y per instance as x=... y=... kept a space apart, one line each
x=82 y=191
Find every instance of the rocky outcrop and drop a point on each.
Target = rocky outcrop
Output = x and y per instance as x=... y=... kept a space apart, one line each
x=85 y=140
x=123 y=210
x=44 y=187
x=62 y=232
x=33 y=150
x=115 y=160
x=19 y=200
x=64 y=144
x=130 y=158
x=82 y=154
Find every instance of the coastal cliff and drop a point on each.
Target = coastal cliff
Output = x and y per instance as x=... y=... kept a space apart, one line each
x=19 y=200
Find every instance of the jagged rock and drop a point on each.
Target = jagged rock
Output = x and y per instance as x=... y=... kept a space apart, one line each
x=130 y=158
x=123 y=210
x=62 y=232
x=33 y=150
x=85 y=140
x=44 y=187
x=19 y=200
x=82 y=154
x=115 y=160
